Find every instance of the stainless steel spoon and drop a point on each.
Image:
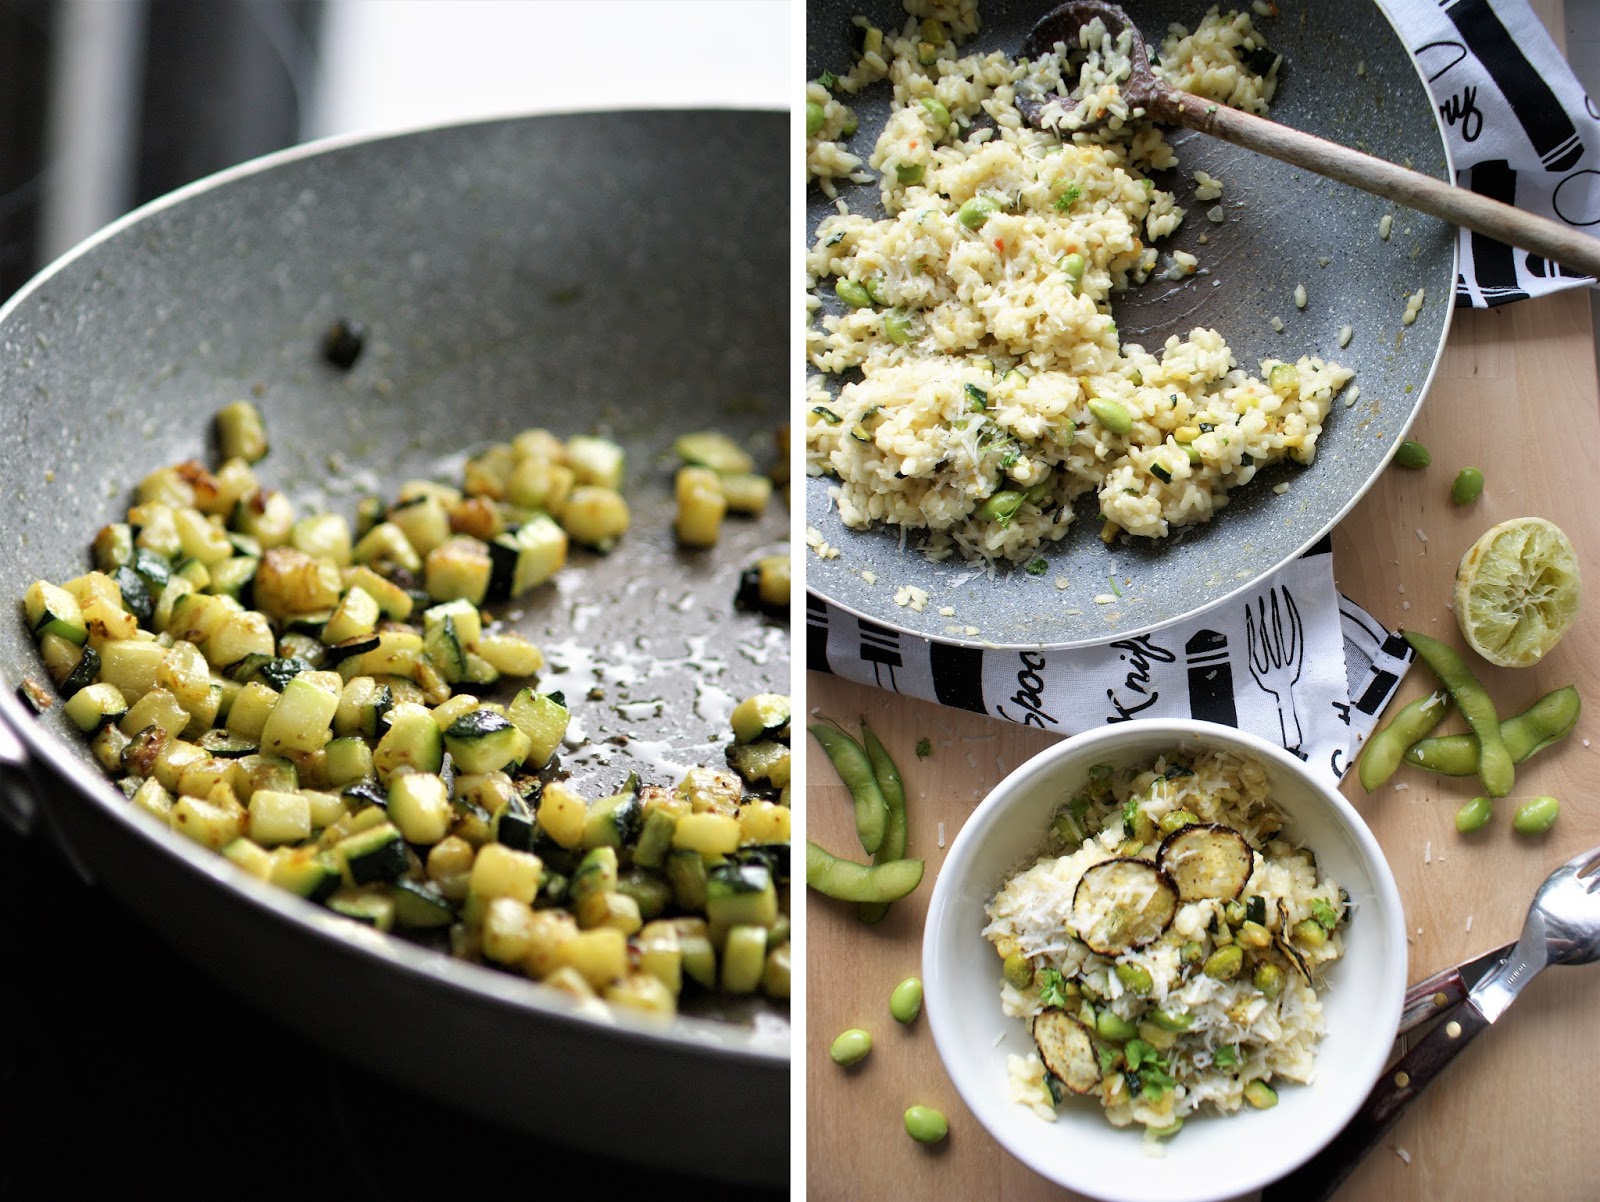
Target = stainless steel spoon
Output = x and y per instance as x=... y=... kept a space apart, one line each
x=1562 y=927
x=1413 y=189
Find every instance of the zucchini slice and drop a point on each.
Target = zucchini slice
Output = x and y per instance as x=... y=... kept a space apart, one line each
x=1122 y=904
x=1207 y=860
x=1067 y=1050
x=1280 y=940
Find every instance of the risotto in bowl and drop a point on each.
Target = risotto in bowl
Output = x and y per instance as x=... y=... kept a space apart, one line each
x=1164 y=960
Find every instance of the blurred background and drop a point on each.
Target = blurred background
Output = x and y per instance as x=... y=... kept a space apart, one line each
x=121 y=1065
x=105 y=104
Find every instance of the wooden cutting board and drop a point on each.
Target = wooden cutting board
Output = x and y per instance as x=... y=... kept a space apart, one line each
x=1514 y=1117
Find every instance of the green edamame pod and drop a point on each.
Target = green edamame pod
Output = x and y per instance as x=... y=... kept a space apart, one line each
x=1535 y=816
x=855 y=770
x=846 y=880
x=1495 y=768
x=1387 y=747
x=1546 y=721
x=893 y=790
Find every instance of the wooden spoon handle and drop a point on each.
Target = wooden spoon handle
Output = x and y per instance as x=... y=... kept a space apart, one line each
x=1460 y=206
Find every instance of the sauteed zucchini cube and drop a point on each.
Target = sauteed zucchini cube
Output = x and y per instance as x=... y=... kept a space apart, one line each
x=562 y=815
x=740 y=894
x=241 y=433
x=377 y=853
x=301 y=718
x=413 y=740
x=543 y=718
x=484 y=741
x=96 y=706
x=595 y=461
x=763 y=716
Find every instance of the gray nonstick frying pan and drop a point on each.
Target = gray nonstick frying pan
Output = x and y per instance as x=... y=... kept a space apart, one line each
x=622 y=273
x=1345 y=76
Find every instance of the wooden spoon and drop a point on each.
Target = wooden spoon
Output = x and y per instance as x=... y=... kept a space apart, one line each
x=1460 y=206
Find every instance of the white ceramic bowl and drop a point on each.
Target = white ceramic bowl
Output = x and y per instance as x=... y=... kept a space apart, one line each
x=1214 y=1156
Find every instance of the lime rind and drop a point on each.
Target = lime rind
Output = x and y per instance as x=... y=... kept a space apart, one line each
x=1517 y=591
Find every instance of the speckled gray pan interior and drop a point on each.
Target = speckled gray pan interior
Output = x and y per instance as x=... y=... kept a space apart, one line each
x=1280 y=222
x=622 y=273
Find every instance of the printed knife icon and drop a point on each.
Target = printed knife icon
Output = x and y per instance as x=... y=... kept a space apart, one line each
x=1210 y=678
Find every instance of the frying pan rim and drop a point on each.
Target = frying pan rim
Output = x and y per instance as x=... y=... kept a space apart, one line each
x=979 y=644
x=46 y=758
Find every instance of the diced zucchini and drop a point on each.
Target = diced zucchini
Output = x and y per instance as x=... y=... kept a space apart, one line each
x=377 y=853
x=249 y=773
x=600 y=956
x=484 y=741
x=763 y=761
x=386 y=543
x=510 y=654
x=595 y=461
x=95 y=706
x=686 y=873
x=421 y=907
x=562 y=815
x=311 y=872
x=279 y=817
x=763 y=716
x=595 y=516
x=357 y=614
x=764 y=822
x=241 y=433
x=741 y=894
x=701 y=507
x=213 y=821
x=413 y=740
x=655 y=838
x=423 y=520
x=715 y=450
x=397 y=654
x=514 y=824
x=371 y=907
x=501 y=871
x=528 y=558
x=247 y=716
x=744 y=957
x=543 y=717
x=441 y=643
x=156 y=708
x=288 y=581
x=596 y=874
x=765 y=585
x=393 y=601
x=614 y=821
x=362 y=704
x=458 y=567
x=419 y=804
x=300 y=720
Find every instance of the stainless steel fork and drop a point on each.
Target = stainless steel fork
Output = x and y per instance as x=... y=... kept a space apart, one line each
x=1562 y=927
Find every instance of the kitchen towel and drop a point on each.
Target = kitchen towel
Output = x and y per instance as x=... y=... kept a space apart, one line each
x=1520 y=126
x=1288 y=659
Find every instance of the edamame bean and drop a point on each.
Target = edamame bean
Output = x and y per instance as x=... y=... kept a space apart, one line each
x=926 y=1125
x=850 y=761
x=1495 y=768
x=1018 y=971
x=1167 y=1020
x=1111 y=1025
x=1001 y=506
x=938 y=111
x=1474 y=816
x=1412 y=454
x=1535 y=816
x=905 y=1003
x=1224 y=963
x=1174 y=820
x=1135 y=978
x=1268 y=978
x=1544 y=722
x=851 y=1047
x=1074 y=266
x=909 y=173
x=1111 y=415
x=976 y=211
x=853 y=294
x=814 y=118
x=898 y=327
x=1260 y=1095
x=1386 y=748
x=1468 y=484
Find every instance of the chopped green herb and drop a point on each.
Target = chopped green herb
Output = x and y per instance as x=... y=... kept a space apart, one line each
x=1227 y=1056
x=827 y=79
x=1114 y=587
x=1039 y=566
x=924 y=748
x=1052 y=987
x=1324 y=913
x=1068 y=198
x=1108 y=1058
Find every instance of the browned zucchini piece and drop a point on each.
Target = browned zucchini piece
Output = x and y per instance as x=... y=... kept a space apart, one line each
x=1207 y=859
x=1066 y=1049
x=1280 y=939
x=1122 y=904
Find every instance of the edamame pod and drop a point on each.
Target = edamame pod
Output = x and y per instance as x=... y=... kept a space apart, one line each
x=1495 y=768
x=1386 y=748
x=847 y=880
x=1544 y=722
x=855 y=770
x=893 y=790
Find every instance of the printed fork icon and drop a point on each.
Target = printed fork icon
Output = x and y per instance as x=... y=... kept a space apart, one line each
x=1275 y=640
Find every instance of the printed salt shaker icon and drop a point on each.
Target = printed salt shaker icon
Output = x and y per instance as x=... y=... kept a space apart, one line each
x=1210 y=678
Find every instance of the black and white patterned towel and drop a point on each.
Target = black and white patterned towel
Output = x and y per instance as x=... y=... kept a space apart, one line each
x=1521 y=130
